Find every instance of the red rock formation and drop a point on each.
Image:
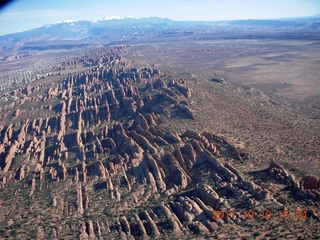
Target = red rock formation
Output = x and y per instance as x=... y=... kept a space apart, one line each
x=198 y=228
x=141 y=228
x=311 y=182
x=79 y=201
x=144 y=133
x=277 y=171
x=234 y=170
x=10 y=155
x=142 y=141
x=155 y=171
x=185 y=110
x=153 y=226
x=208 y=195
x=20 y=174
x=173 y=220
x=159 y=84
x=141 y=121
x=99 y=169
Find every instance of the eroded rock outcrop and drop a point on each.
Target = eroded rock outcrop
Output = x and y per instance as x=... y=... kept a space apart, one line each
x=97 y=145
x=172 y=219
x=79 y=202
x=208 y=196
x=277 y=171
x=311 y=182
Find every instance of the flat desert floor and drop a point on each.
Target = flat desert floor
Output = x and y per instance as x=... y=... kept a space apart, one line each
x=288 y=67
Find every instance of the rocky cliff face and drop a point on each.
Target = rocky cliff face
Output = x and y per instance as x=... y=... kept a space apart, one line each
x=101 y=165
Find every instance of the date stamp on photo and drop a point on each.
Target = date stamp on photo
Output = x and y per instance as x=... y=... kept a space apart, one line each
x=264 y=214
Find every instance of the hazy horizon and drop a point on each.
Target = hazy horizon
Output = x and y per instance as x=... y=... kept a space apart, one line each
x=22 y=15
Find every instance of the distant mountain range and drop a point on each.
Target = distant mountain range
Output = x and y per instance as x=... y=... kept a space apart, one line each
x=83 y=29
x=120 y=28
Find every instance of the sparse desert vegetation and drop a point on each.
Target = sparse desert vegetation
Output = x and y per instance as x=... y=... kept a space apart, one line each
x=151 y=138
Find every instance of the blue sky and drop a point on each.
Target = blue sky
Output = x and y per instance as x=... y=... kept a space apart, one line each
x=21 y=15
